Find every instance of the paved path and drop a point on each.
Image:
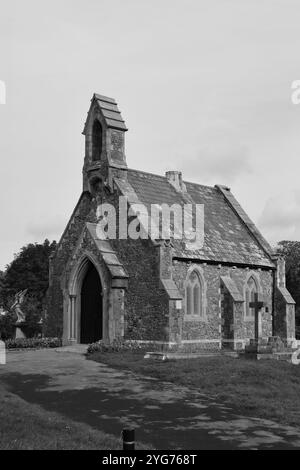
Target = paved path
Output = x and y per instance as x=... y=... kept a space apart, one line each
x=165 y=415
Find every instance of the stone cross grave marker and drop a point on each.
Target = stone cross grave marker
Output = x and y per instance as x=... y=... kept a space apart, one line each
x=257 y=305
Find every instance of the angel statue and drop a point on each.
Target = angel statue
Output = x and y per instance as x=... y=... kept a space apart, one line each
x=16 y=307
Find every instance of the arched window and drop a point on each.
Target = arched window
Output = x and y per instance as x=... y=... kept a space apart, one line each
x=189 y=296
x=194 y=295
x=97 y=141
x=251 y=289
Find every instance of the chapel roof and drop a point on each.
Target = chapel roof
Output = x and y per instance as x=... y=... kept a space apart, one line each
x=230 y=236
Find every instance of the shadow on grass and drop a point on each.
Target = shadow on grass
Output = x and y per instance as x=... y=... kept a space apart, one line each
x=111 y=412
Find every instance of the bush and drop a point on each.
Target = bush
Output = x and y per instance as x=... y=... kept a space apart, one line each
x=36 y=343
x=7 y=326
x=116 y=346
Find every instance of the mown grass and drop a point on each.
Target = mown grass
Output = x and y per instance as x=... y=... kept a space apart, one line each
x=25 y=426
x=266 y=389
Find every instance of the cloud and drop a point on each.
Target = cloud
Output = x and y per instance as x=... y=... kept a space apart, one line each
x=280 y=218
x=220 y=157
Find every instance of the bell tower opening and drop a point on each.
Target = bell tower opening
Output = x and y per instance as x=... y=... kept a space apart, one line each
x=97 y=141
x=91 y=321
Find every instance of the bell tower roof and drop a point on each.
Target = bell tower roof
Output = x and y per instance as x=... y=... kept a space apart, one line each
x=110 y=112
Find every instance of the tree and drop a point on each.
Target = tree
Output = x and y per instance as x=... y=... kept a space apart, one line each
x=291 y=252
x=1 y=279
x=6 y=326
x=29 y=270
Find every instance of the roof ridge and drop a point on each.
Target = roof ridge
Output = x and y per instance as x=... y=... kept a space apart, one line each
x=146 y=173
x=164 y=177
x=199 y=184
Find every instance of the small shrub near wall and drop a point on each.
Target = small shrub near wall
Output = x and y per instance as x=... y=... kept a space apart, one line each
x=33 y=343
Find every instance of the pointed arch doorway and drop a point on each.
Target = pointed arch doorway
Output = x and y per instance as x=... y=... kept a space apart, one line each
x=91 y=308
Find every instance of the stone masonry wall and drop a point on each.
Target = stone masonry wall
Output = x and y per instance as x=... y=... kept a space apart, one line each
x=210 y=327
x=146 y=303
x=244 y=328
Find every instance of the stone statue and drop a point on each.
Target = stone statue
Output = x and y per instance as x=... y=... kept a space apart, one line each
x=16 y=307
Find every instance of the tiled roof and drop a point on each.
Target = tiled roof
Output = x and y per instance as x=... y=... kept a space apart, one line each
x=228 y=237
x=171 y=289
x=286 y=295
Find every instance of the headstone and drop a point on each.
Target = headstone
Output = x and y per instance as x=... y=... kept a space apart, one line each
x=294 y=344
x=2 y=353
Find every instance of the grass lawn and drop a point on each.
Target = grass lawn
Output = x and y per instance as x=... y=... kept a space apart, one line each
x=28 y=426
x=264 y=389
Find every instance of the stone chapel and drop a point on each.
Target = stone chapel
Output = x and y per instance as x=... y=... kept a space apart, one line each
x=156 y=290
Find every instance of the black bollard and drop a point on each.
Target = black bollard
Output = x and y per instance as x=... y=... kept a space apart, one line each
x=128 y=439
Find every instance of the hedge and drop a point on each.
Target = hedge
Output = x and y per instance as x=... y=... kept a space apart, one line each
x=116 y=346
x=34 y=343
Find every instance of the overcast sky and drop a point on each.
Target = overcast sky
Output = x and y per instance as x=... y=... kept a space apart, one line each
x=204 y=87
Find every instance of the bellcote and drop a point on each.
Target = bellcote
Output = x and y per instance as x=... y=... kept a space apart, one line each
x=104 y=133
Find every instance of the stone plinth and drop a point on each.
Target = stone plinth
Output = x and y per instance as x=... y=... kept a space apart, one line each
x=19 y=330
x=258 y=348
x=267 y=348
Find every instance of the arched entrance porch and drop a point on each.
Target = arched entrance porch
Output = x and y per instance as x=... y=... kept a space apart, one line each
x=85 y=322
